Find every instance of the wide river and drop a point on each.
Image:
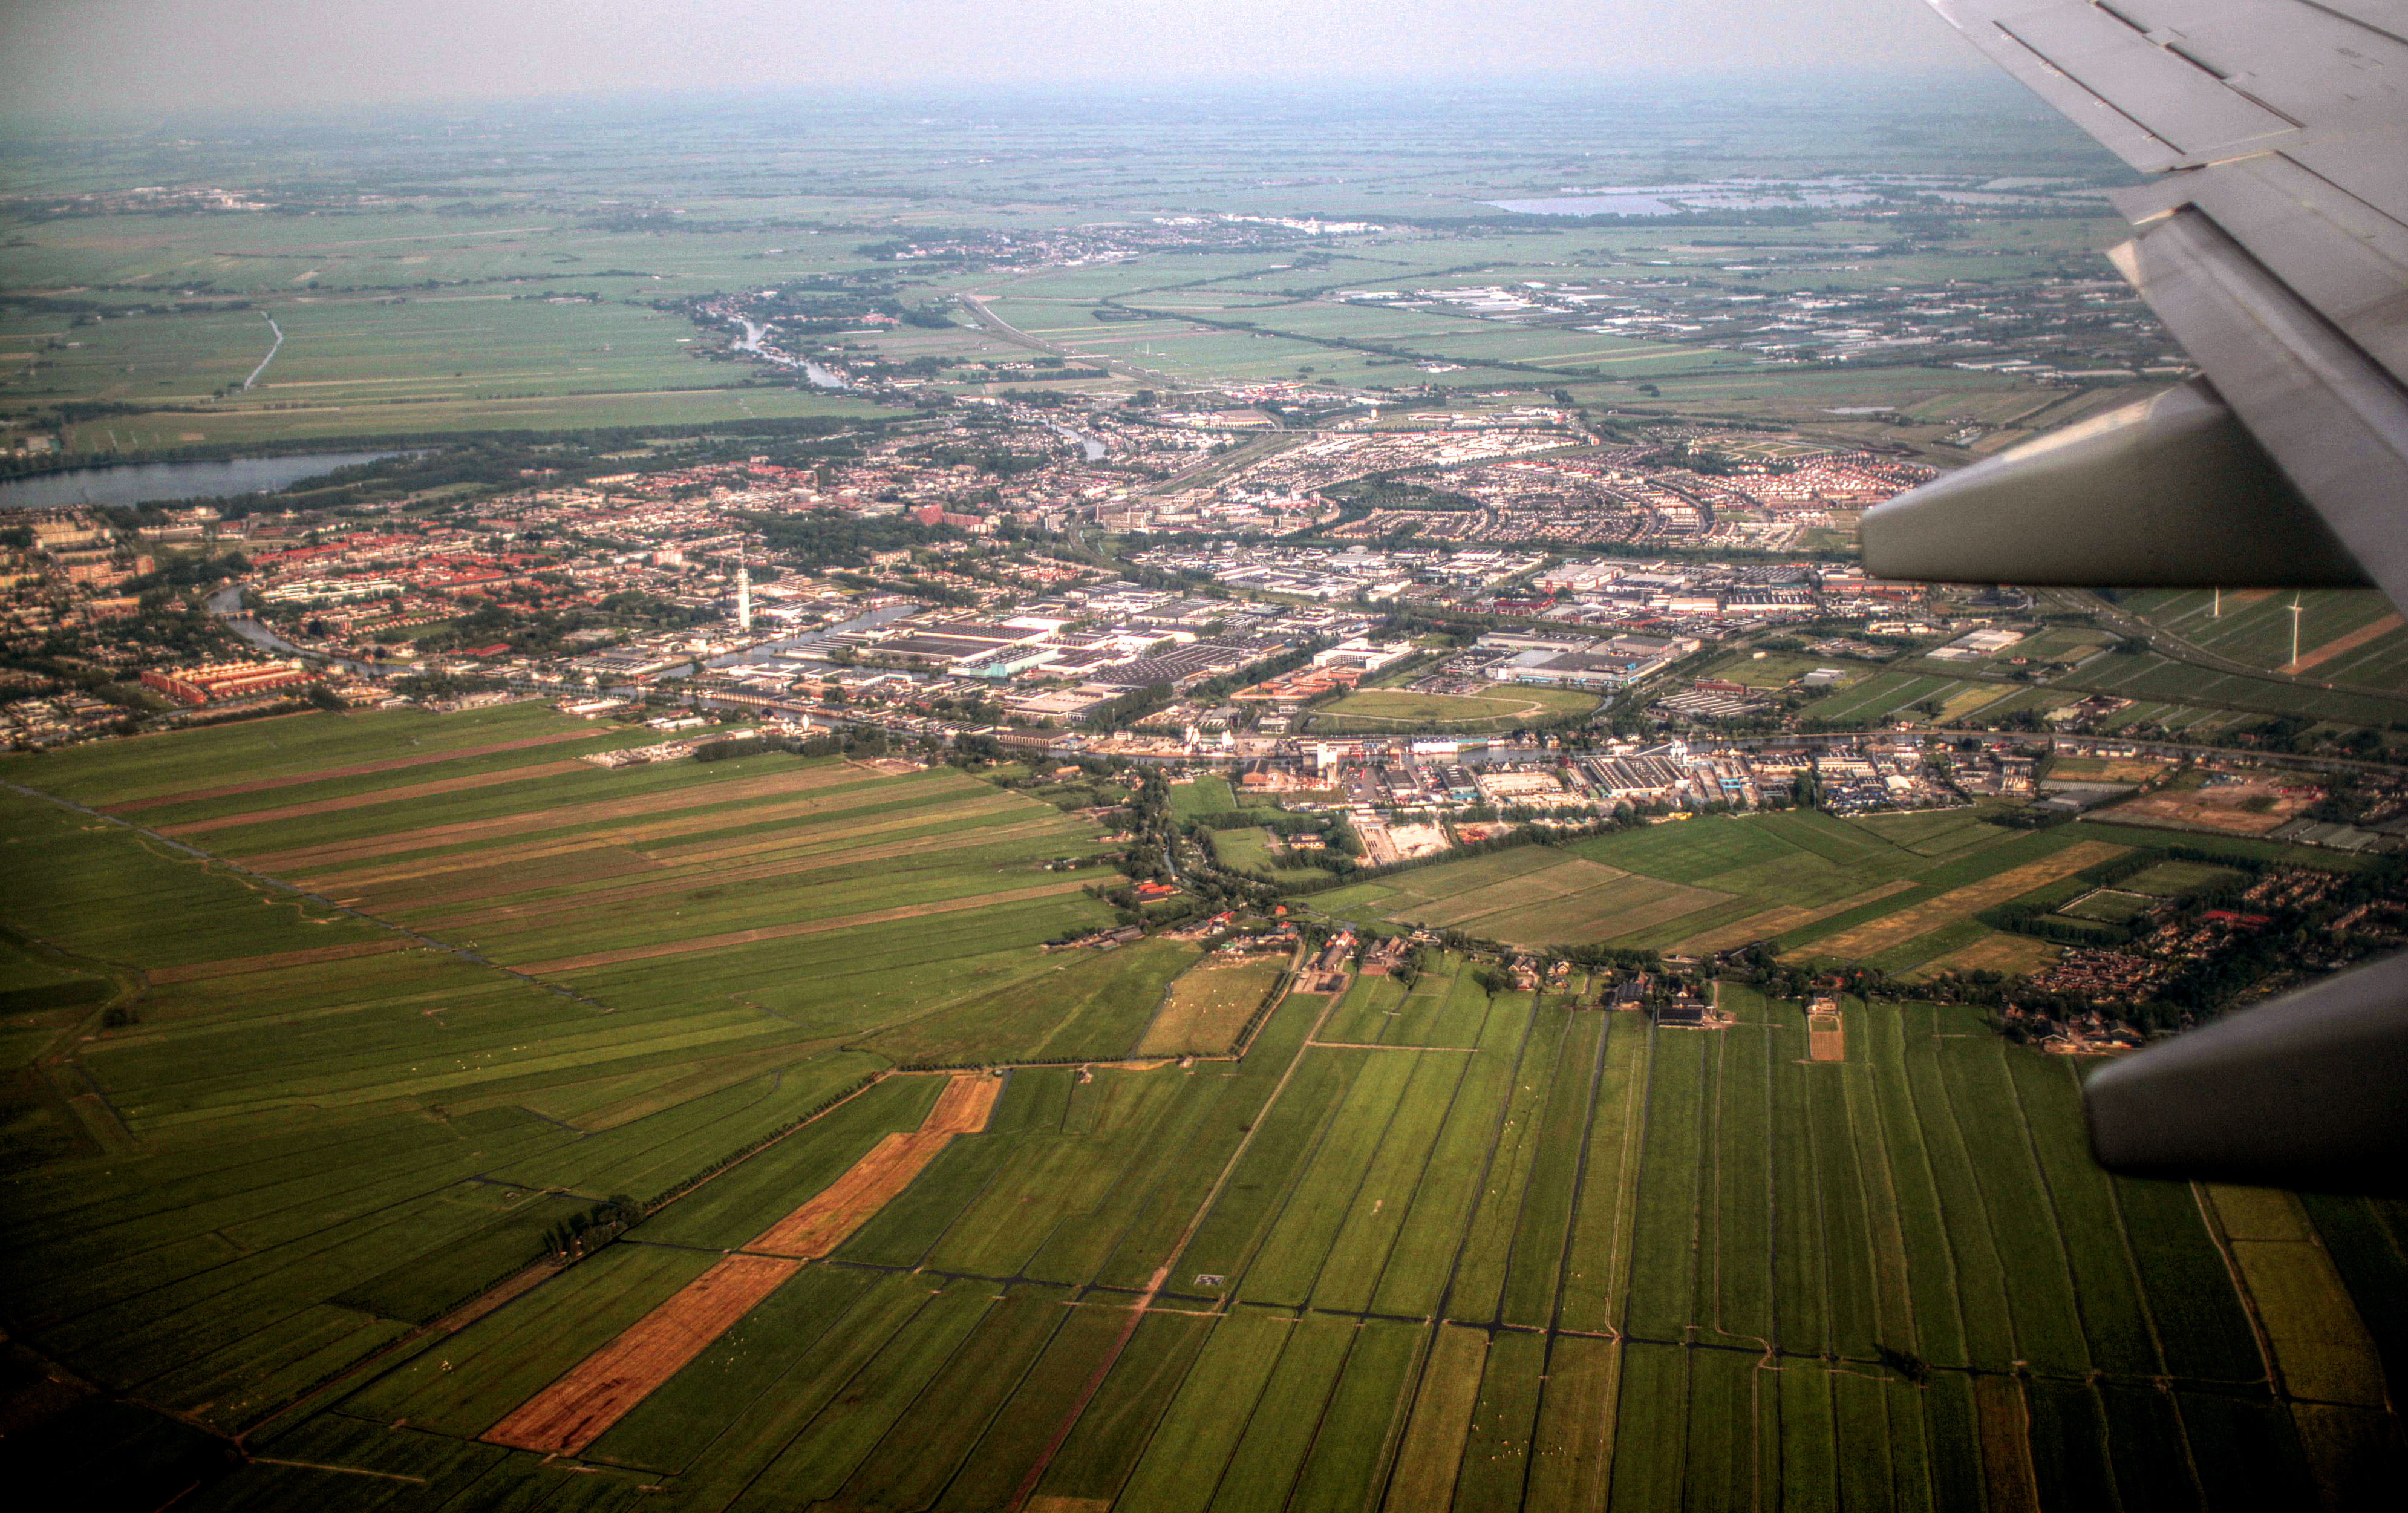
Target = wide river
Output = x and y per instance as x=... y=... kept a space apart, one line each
x=141 y=482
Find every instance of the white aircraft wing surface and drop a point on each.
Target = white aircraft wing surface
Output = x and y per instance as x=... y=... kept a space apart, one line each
x=2273 y=243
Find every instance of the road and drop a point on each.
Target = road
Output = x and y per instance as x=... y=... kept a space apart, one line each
x=975 y=304
x=272 y=350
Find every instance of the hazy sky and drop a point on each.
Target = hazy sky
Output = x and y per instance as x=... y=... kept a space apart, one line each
x=75 y=56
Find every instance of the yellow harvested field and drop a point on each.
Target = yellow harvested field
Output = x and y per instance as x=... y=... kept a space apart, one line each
x=2011 y=954
x=1961 y=902
x=1826 y=1038
x=2006 y=1444
x=1772 y=922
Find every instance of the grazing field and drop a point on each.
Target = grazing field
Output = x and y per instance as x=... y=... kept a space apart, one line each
x=1532 y=896
x=1208 y=1005
x=1422 y=1246
x=1255 y=851
x=1898 y=890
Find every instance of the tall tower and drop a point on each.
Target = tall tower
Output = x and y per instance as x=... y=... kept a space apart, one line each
x=743 y=598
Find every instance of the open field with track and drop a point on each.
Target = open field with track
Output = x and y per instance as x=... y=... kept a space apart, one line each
x=1370 y=711
x=1422 y=1246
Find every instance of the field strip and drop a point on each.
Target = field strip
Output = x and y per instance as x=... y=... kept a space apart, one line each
x=244 y=966
x=579 y=1406
x=1144 y=1302
x=943 y=808
x=807 y=926
x=688 y=877
x=691 y=797
x=573 y=1412
x=327 y=774
x=382 y=796
x=2350 y=642
x=2002 y=1426
x=2321 y=1347
x=1962 y=902
x=400 y=843
x=1772 y=922
x=826 y=1222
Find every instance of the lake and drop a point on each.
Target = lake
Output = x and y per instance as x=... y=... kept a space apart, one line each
x=140 y=482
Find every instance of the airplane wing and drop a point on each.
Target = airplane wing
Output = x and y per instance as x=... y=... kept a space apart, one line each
x=2273 y=243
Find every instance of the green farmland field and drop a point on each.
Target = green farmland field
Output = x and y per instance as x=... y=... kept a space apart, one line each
x=1422 y=1246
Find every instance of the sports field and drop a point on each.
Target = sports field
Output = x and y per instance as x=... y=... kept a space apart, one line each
x=1370 y=710
x=1420 y=1248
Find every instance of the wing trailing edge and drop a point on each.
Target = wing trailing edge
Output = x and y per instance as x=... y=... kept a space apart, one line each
x=2169 y=492
x=2303 y=1092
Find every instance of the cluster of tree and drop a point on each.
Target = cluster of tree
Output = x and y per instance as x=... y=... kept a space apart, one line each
x=827 y=538
x=581 y=1233
x=1129 y=708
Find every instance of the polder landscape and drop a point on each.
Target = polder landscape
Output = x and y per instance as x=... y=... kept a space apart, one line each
x=454 y=1123
x=1322 y=884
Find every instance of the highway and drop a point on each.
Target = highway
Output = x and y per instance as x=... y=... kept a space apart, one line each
x=2174 y=648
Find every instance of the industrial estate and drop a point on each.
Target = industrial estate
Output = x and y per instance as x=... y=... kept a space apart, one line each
x=1002 y=833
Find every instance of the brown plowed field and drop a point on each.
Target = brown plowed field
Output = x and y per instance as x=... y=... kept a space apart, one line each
x=1772 y=922
x=573 y=1412
x=576 y=1410
x=335 y=854
x=2339 y=644
x=963 y=1107
x=1960 y=902
x=829 y=1219
x=241 y=966
x=326 y=774
x=806 y=927
x=826 y=1222
x=1826 y=1040
x=694 y=874
x=382 y=796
